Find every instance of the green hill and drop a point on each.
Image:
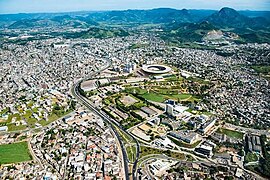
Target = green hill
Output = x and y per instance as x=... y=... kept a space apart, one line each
x=187 y=32
x=95 y=32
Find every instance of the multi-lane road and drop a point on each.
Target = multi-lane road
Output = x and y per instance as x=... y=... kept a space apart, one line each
x=76 y=93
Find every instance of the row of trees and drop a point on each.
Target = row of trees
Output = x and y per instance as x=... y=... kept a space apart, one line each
x=265 y=162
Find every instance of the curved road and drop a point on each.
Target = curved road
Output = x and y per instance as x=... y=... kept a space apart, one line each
x=75 y=92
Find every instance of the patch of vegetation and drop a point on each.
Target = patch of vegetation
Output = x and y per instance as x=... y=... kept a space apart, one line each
x=255 y=37
x=173 y=77
x=13 y=127
x=132 y=119
x=186 y=32
x=265 y=162
x=254 y=168
x=11 y=116
x=190 y=158
x=183 y=144
x=198 y=80
x=95 y=32
x=130 y=122
x=57 y=113
x=4 y=111
x=250 y=157
x=131 y=152
x=160 y=95
x=262 y=69
x=22 y=138
x=148 y=150
x=51 y=118
x=31 y=122
x=231 y=133
x=13 y=153
x=126 y=138
x=154 y=97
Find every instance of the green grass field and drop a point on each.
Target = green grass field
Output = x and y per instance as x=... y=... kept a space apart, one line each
x=251 y=157
x=262 y=69
x=13 y=153
x=153 y=97
x=126 y=138
x=160 y=95
x=51 y=118
x=13 y=127
x=183 y=144
x=148 y=151
x=131 y=152
x=231 y=133
x=17 y=115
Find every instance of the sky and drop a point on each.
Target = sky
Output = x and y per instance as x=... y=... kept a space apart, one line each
x=31 y=6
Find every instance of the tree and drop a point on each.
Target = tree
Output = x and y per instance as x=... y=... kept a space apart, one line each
x=265 y=162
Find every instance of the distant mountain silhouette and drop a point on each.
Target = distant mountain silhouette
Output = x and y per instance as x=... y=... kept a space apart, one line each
x=228 y=17
x=183 y=25
x=62 y=18
x=160 y=15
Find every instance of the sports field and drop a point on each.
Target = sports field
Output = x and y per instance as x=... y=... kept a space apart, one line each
x=231 y=133
x=13 y=153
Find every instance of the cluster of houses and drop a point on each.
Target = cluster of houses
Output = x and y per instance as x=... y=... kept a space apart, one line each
x=25 y=113
x=79 y=146
x=202 y=170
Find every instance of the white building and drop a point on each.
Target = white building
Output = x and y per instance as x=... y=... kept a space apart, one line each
x=178 y=111
x=207 y=126
x=3 y=128
x=186 y=136
x=89 y=85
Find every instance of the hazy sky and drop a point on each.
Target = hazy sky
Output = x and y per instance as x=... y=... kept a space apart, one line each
x=22 y=6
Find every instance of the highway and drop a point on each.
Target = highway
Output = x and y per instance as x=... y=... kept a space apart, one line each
x=75 y=92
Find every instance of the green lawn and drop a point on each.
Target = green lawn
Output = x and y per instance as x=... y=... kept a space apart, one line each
x=231 y=133
x=17 y=115
x=131 y=152
x=160 y=95
x=262 y=69
x=181 y=96
x=173 y=78
x=13 y=127
x=35 y=110
x=31 y=122
x=4 y=111
x=28 y=114
x=198 y=80
x=190 y=158
x=250 y=157
x=147 y=151
x=126 y=138
x=13 y=153
x=153 y=97
x=182 y=144
x=54 y=117
x=30 y=104
x=51 y=118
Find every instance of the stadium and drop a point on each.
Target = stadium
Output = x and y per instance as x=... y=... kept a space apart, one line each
x=156 y=69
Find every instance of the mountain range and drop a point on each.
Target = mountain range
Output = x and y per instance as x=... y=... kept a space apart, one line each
x=185 y=25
